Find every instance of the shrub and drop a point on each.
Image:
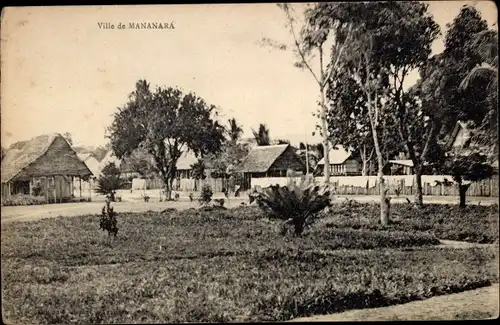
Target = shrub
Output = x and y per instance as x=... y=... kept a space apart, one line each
x=109 y=181
x=107 y=185
x=108 y=220
x=23 y=199
x=206 y=194
x=297 y=204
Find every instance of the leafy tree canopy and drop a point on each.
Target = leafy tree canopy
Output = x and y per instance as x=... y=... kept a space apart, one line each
x=165 y=122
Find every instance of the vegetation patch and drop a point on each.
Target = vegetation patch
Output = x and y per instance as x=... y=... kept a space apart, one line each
x=219 y=266
x=476 y=224
x=23 y=199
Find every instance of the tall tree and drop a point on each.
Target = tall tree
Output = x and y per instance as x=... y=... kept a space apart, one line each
x=234 y=130
x=321 y=26
x=141 y=162
x=390 y=40
x=262 y=135
x=485 y=45
x=347 y=119
x=406 y=49
x=454 y=88
x=165 y=123
x=2 y=153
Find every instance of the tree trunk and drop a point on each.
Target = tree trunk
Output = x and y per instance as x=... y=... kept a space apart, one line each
x=167 y=182
x=298 y=224
x=462 y=191
x=418 y=194
x=364 y=171
x=384 y=201
x=384 y=208
x=324 y=130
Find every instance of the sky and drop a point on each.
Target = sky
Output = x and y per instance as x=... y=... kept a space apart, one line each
x=61 y=73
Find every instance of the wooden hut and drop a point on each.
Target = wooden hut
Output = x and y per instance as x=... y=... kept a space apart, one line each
x=45 y=164
x=270 y=161
x=399 y=167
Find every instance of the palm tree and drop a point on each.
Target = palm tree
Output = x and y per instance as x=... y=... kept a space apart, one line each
x=485 y=45
x=262 y=135
x=235 y=130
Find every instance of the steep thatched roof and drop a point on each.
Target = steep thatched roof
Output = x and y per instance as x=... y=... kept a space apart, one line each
x=21 y=155
x=261 y=158
x=84 y=156
x=91 y=161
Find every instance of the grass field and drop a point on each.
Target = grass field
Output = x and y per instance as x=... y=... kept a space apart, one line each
x=233 y=265
x=476 y=224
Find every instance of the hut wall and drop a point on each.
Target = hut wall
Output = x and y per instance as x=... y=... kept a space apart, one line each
x=59 y=159
x=351 y=166
x=63 y=187
x=5 y=191
x=288 y=160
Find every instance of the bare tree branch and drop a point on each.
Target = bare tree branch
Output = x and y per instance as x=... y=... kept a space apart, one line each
x=297 y=44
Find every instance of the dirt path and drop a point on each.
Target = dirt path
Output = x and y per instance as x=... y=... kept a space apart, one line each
x=462 y=244
x=481 y=303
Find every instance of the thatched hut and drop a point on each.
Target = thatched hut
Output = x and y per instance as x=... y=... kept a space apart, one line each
x=45 y=164
x=270 y=161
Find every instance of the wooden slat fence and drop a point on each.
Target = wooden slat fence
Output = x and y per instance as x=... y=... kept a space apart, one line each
x=190 y=185
x=487 y=187
x=395 y=184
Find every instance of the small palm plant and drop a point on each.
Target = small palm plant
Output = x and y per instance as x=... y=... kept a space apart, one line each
x=206 y=194
x=109 y=181
x=108 y=221
x=296 y=204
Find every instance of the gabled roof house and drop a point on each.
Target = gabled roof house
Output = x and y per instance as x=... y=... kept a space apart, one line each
x=341 y=162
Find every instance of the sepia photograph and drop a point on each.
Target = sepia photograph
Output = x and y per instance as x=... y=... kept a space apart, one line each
x=252 y=162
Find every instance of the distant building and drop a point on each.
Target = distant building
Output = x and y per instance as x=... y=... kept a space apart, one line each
x=45 y=165
x=399 y=167
x=91 y=161
x=270 y=161
x=341 y=161
x=462 y=138
x=108 y=158
x=184 y=165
